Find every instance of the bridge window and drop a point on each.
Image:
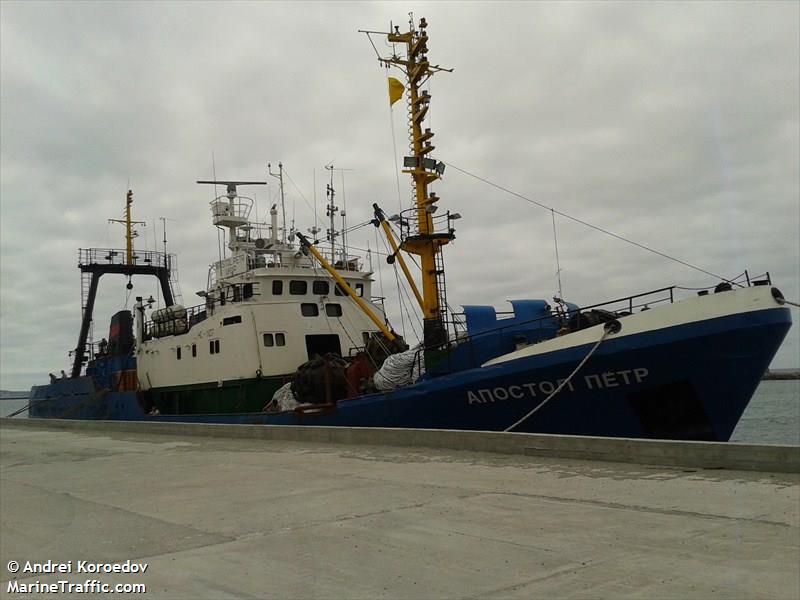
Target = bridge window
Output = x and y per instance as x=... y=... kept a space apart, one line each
x=280 y=339
x=321 y=288
x=269 y=340
x=277 y=287
x=357 y=288
x=333 y=310
x=309 y=309
x=232 y=320
x=298 y=288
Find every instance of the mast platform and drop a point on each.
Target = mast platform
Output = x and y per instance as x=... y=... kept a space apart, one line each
x=96 y=262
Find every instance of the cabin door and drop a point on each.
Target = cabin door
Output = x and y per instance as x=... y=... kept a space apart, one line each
x=322 y=344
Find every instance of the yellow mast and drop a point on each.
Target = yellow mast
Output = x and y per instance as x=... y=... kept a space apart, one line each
x=426 y=242
x=128 y=232
x=128 y=227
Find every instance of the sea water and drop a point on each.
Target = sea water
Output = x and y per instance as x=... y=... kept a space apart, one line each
x=773 y=416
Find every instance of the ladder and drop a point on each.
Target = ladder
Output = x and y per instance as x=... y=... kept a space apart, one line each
x=441 y=287
x=86 y=281
x=174 y=286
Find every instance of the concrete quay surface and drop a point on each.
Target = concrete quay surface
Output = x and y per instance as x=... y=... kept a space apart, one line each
x=217 y=517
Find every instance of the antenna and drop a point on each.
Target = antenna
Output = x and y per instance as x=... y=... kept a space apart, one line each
x=330 y=211
x=558 y=262
x=343 y=212
x=164 y=228
x=232 y=185
x=279 y=175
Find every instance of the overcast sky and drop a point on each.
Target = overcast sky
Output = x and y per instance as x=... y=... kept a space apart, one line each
x=673 y=124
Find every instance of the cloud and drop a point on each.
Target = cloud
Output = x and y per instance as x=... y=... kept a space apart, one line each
x=674 y=125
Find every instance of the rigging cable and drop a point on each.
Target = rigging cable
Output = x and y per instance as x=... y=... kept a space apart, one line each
x=394 y=150
x=412 y=315
x=558 y=263
x=312 y=209
x=380 y=274
x=399 y=296
x=408 y=296
x=585 y=223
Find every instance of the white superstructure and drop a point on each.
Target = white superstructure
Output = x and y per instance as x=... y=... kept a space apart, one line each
x=268 y=309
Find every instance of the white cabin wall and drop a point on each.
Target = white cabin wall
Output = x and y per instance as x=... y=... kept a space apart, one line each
x=242 y=351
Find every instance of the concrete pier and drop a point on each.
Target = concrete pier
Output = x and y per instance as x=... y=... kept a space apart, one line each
x=257 y=515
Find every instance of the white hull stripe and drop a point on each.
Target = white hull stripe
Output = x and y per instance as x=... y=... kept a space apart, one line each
x=691 y=310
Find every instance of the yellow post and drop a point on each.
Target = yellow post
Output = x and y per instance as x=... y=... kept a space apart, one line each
x=128 y=227
x=344 y=285
x=128 y=232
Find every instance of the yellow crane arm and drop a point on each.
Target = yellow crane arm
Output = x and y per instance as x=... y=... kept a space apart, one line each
x=380 y=216
x=309 y=247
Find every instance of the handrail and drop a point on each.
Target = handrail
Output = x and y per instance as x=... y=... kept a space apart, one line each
x=568 y=313
x=117 y=256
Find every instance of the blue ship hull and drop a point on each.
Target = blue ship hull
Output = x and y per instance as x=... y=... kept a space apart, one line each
x=690 y=381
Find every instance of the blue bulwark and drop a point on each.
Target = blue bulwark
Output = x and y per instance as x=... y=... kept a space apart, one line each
x=490 y=337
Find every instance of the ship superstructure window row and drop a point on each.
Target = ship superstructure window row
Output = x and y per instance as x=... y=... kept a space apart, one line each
x=358 y=288
x=233 y=293
x=274 y=339
x=179 y=351
x=319 y=287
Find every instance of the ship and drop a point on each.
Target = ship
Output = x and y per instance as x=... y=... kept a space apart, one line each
x=289 y=332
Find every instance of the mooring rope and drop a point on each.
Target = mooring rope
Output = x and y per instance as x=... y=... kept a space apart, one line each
x=608 y=329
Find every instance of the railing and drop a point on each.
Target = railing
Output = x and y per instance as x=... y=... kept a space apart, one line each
x=469 y=357
x=239 y=208
x=118 y=256
x=408 y=223
x=617 y=308
x=624 y=306
x=186 y=318
x=176 y=325
x=352 y=263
